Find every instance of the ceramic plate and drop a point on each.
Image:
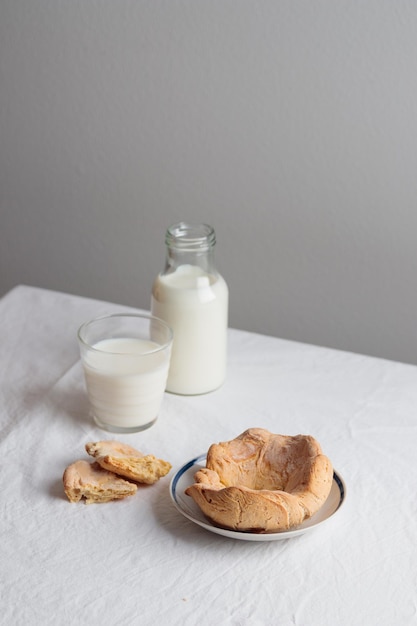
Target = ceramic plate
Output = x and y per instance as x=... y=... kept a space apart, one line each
x=186 y=505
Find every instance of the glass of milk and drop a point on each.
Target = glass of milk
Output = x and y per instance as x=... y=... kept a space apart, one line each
x=125 y=358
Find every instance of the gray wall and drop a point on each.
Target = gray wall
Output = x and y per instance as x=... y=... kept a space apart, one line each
x=290 y=126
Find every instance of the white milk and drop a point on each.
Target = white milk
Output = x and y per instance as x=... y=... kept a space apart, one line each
x=126 y=386
x=195 y=305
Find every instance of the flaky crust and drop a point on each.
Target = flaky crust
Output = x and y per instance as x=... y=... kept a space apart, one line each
x=262 y=482
x=126 y=461
x=95 y=484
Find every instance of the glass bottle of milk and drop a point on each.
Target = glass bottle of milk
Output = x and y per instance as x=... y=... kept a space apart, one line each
x=192 y=298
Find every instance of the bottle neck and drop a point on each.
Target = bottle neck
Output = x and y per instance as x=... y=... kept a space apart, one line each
x=190 y=244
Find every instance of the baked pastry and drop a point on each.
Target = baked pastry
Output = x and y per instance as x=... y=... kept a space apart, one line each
x=128 y=462
x=90 y=481
x=261 y=482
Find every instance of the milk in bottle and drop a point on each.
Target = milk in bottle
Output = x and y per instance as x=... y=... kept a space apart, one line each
x=192 y=298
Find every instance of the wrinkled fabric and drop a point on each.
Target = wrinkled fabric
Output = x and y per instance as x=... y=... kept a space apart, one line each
x=139 y=561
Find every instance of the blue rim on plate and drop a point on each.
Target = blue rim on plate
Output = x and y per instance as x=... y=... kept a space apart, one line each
x=187 y=507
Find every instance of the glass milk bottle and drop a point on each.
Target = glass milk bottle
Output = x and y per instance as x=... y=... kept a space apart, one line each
x=192 y=298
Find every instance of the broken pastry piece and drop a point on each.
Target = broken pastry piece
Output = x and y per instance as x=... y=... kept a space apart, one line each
x=95 y=484
x=128 y=462
x=261 y=482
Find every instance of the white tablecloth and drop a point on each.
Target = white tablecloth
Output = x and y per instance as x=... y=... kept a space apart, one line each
x=139 y=561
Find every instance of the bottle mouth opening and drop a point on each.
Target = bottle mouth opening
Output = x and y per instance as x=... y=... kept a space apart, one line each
x=190 y=236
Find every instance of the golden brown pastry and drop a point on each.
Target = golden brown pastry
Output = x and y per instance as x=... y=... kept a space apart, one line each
x=262 y=482
x=95 y=484
x=128 y=462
